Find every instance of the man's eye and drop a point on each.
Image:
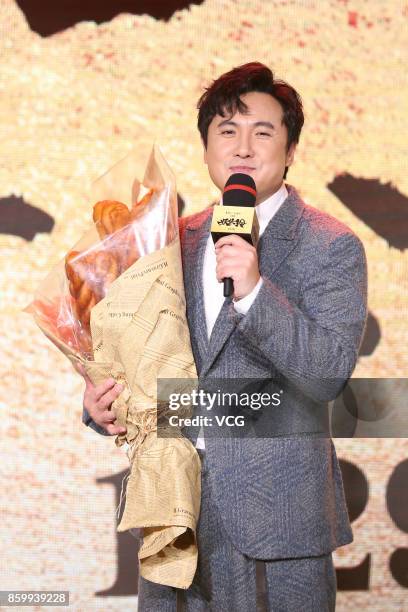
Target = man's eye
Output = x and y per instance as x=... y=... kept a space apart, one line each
x=227 y=132
x=264 y=134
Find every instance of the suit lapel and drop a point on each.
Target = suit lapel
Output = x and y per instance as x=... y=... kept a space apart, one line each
x=223 y=328
x=280 y=235
x=194 y=244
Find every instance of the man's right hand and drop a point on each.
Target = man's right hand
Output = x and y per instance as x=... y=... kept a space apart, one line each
x=98 y=400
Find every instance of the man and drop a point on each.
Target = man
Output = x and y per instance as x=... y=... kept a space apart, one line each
x=297 y=317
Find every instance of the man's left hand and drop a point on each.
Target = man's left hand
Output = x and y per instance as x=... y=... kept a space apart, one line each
x=237 y=259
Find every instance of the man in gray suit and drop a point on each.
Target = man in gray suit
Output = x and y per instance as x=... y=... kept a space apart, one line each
x=295 y=322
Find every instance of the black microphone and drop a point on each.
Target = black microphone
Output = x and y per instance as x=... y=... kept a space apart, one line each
x=237 y=215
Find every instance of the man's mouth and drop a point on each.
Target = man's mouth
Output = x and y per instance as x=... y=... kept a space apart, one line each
x=245 y=169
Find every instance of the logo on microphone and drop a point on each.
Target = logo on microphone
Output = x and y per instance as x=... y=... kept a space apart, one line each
x=234 y=220
x=227 y=221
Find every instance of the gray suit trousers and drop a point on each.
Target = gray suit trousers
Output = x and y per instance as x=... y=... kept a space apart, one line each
x=228 y=581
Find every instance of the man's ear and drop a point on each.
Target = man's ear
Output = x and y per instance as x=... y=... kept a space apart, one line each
x=290 y=155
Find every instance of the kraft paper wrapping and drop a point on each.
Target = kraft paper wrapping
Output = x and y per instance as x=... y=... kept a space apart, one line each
x=140 y=334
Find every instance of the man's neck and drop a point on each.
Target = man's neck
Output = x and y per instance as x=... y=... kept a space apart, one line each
x=269 y=195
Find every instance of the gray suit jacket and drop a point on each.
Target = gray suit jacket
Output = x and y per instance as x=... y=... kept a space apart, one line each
x=282 y=496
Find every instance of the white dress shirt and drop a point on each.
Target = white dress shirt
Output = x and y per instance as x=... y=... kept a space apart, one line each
x=213 y=290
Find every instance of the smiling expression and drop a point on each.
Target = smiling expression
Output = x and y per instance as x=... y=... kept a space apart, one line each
x=254 y=143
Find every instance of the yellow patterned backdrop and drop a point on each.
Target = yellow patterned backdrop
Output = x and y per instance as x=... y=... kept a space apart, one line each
x=75 y=102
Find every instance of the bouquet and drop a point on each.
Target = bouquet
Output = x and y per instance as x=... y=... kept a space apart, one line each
x=116 y=305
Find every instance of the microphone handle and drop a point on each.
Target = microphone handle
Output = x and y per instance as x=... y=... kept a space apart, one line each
x=228 y=287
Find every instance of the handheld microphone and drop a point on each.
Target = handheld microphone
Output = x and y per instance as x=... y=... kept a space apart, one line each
x=237 y=215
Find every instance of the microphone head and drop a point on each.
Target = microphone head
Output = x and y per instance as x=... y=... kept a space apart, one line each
x=239 y=190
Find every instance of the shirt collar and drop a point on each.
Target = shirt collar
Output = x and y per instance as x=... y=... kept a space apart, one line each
x=269 y=207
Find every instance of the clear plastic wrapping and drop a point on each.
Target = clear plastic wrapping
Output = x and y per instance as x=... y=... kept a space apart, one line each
x=123 y=232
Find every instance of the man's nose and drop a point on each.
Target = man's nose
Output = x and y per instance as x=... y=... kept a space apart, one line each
x=244 y=146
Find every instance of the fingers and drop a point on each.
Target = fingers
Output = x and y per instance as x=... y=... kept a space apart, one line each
x=227 y=269
x=228 y=250
x=104 y=417
x=233 y=240
x=236 y=265
x=98 y=391
x=115 y=430
x=237 y=259
x=108 y=397
x=98 y=400
x=242 y=252
x=107 y=386
x=106 y=420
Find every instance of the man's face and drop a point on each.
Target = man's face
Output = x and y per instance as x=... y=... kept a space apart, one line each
x=254 y=144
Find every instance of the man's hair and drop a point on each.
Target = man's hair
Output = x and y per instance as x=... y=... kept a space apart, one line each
x=223 y=97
